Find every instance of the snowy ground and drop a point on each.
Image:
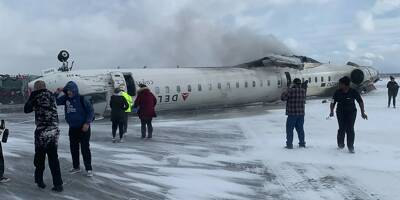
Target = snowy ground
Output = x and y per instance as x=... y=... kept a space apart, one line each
x=229 y=154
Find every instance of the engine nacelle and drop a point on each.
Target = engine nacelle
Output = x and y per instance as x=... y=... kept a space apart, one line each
x=357 y=76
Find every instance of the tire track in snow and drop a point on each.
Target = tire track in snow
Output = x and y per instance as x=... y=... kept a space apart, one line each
x=306 y=181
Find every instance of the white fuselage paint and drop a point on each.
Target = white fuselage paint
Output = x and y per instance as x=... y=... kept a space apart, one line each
x=192 y=88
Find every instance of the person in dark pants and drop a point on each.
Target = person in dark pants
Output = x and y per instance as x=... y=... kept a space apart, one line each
x=295 y=98
x=393 y=89
x=145 y=103
x=304 y=85
x=346 y=112
x=42 y=101
x=79 y=114
x=3 y=179
x=128 y=99
x=118 y=106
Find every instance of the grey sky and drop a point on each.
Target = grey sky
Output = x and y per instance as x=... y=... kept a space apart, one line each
x=133 y=33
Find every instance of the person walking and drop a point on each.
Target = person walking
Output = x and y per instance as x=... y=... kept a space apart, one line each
x=3 y=179
x=118 y=106
x=145 y=104
x=128 y=110
x=79 y=114
x=393 y=89
x=304 y=85
x=346 y=112
x=43 y=103
x=295 y=98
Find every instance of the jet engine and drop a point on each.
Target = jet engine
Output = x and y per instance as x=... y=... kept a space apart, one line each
x=357 y=76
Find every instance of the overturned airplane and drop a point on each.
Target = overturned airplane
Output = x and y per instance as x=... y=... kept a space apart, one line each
x=262 y=80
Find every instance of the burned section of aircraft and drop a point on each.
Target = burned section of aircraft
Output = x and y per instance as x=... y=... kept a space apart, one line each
x=274 y=60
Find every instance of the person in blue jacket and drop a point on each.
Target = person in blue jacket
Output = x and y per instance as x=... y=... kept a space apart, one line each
x=79 y=114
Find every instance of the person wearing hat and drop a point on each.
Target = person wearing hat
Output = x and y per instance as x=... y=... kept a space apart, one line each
x=393 y=89
x=118 y=106
x=145 y=105
x=295 y=98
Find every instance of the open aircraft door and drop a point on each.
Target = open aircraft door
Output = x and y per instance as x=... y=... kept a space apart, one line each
x=288 y=79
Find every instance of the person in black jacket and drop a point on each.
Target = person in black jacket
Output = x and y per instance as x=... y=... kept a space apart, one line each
x=118 y=106
x=393 y=89
x=3 y=179
x=304 y=85
x=346 y=112
x=43 y=102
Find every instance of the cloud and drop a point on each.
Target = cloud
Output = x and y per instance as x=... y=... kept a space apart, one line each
x=382 y=6
x=366 y=21
x=351 y=45
x=369 y=55
x=133 y=33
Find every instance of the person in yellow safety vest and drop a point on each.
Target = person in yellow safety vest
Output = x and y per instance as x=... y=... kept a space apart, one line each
x=128 y=110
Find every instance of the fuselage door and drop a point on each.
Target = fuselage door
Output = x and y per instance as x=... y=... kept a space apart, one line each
x=288 y=79
x=130 y=84
x=118 y=80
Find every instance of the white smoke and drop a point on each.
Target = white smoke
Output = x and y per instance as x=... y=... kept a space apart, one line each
x=191 y=41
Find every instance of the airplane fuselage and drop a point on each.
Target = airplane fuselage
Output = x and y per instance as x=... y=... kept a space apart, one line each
x=193 y=88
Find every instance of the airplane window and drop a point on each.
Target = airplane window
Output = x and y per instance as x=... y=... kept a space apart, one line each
x=316 y=79
x=157 y=90
x=309 y=80
x=269 y=82
x=167 y=90
x=237 y=85
x=199 y=87
x=210 y=86
x=228 y=85
x=329 y=78
x=254 y=84
x=279 y=82
x=189 y=88
x=322 y=79
x=219 y=86
x=178 y=88
x=246 y=84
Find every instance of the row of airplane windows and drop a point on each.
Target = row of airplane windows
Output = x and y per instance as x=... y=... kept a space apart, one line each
x=228 y=85
x=210 y=86
x=316 y=79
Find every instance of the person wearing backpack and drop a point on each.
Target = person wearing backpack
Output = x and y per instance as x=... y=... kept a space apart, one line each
x=79 y=114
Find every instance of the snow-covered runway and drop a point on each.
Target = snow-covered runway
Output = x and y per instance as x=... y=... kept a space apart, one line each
x=228 y=154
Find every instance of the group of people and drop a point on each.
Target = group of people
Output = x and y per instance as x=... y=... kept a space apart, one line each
x=79 y=114
x=121 y=106
x=346 y=112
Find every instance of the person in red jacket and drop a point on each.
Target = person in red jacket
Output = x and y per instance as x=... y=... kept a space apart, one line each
x=145 y=104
